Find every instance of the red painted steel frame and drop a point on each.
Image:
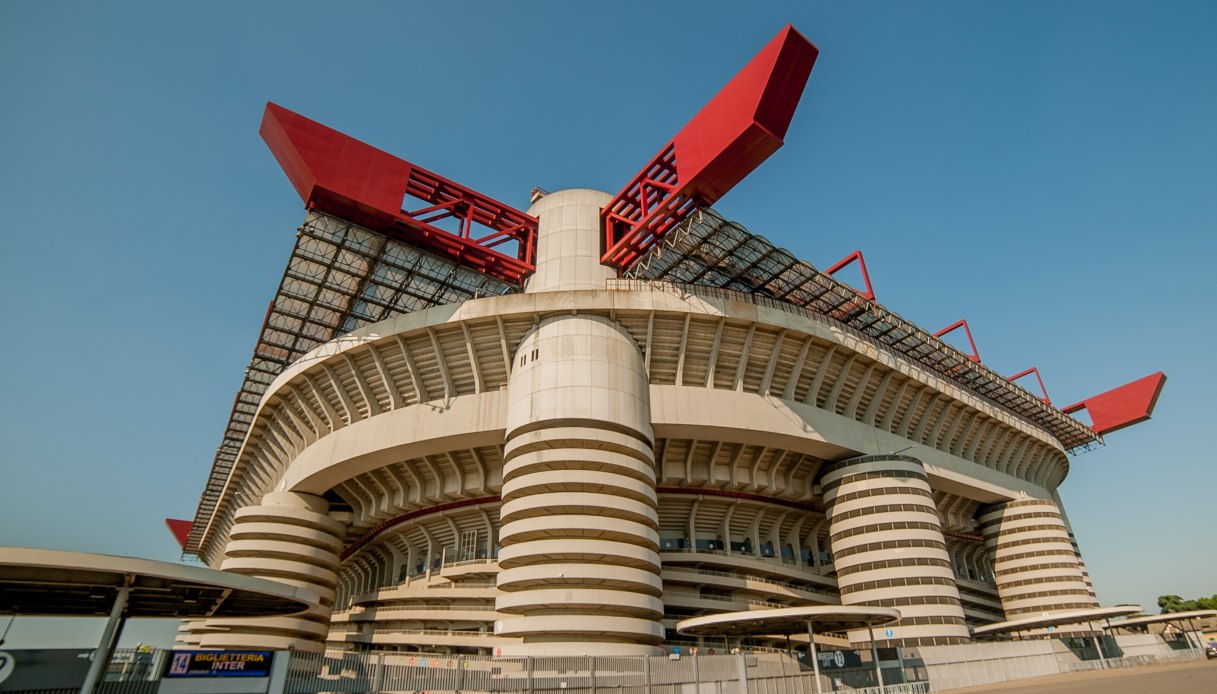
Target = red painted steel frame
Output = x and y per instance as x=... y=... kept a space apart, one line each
x=1129 y=404
x=1036 y=371
x=962 y=323
x=339 y=175
x=737 y=130
x=180 y=530
x=869 y=294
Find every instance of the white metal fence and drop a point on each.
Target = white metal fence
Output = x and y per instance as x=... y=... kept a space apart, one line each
x=364 y=673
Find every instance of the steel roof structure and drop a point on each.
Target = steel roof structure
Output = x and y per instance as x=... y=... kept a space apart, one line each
x=338 y=278
x=707 y=250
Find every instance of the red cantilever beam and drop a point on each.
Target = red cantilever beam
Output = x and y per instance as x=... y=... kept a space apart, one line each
x=339 y=175
x=869 y=294
x=1131 y=403
x=737 y=130
x=1038 y=378
x=962 y=323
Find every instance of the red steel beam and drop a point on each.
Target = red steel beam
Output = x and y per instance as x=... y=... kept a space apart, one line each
x=1129 y=404
x=1038 y=378
x=869 y=294
x=737 y=130
x=962 y=323
x=339 y=175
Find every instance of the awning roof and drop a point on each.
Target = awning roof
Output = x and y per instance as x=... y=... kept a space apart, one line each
x=788 y=620
x=45 y=582
x=1053 y=619
x=1168 y=617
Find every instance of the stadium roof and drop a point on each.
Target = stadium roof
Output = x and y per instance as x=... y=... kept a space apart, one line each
x=341 y=277
x=708 y=250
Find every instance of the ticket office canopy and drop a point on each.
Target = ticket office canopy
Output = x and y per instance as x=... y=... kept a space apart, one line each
x=784 y=621
x=46 y=582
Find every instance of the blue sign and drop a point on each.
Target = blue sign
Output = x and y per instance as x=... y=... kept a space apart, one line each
x=889 y=633
x=1051 y=629
x=219 y=664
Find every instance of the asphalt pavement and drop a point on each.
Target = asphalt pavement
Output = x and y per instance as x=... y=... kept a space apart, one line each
x=1195 y=677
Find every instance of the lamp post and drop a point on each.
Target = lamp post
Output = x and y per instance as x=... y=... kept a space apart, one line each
x=811 y=650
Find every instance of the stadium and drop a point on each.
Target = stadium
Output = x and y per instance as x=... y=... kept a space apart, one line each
x=471 y=428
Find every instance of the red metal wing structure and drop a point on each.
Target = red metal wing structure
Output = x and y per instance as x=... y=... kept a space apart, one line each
x=737 y=130
x=342 y=176
x=1131 y=403
x=180 y=529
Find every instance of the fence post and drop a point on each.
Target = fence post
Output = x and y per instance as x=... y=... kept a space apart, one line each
x=743 y=672
x=592 y=668
x=528 y=662
x=646 y=668
x=460 y=673
x=377 y=674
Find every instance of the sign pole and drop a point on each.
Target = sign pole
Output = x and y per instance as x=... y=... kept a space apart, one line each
x=815 y=658
x=1191 y=627
x=874 y=653
x=1097 y=646
x=109 y=639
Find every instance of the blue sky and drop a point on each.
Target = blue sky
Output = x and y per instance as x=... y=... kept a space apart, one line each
x=1046 y=170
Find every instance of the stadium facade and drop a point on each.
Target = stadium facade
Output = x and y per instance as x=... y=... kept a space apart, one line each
x=607 y=414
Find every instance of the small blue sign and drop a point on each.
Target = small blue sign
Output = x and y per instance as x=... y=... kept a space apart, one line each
x=1051 y=629
x=889 y=633
x=676 y=650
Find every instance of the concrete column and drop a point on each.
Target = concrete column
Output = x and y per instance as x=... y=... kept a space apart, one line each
x=1034 y=559
x=578 y=526
x=888 y=548
x=288 y=538
x=568 y=242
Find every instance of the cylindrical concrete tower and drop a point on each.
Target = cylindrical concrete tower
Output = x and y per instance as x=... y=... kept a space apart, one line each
x=1035 y=562
x=579 y=530
x=889 y=550
x=287 y=538
x=568 y=241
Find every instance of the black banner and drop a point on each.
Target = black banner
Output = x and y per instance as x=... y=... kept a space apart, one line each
x=838 y=660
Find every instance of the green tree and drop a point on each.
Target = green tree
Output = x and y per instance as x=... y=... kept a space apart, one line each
x=1174 y=603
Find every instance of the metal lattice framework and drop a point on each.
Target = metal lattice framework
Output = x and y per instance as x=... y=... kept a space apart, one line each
x=707 y=250
x=339 y=278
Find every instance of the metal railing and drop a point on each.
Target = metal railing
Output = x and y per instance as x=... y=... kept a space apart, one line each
x=745 y=673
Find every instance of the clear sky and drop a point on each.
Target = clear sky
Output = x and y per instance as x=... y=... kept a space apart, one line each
x=1046 y=170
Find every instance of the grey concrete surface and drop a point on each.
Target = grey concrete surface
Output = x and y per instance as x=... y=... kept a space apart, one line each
x=1196 y=677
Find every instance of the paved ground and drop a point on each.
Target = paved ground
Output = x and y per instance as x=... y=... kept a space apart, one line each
x=1196 y=677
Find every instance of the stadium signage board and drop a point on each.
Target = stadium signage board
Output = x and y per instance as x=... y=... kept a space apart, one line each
x=219 y=664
